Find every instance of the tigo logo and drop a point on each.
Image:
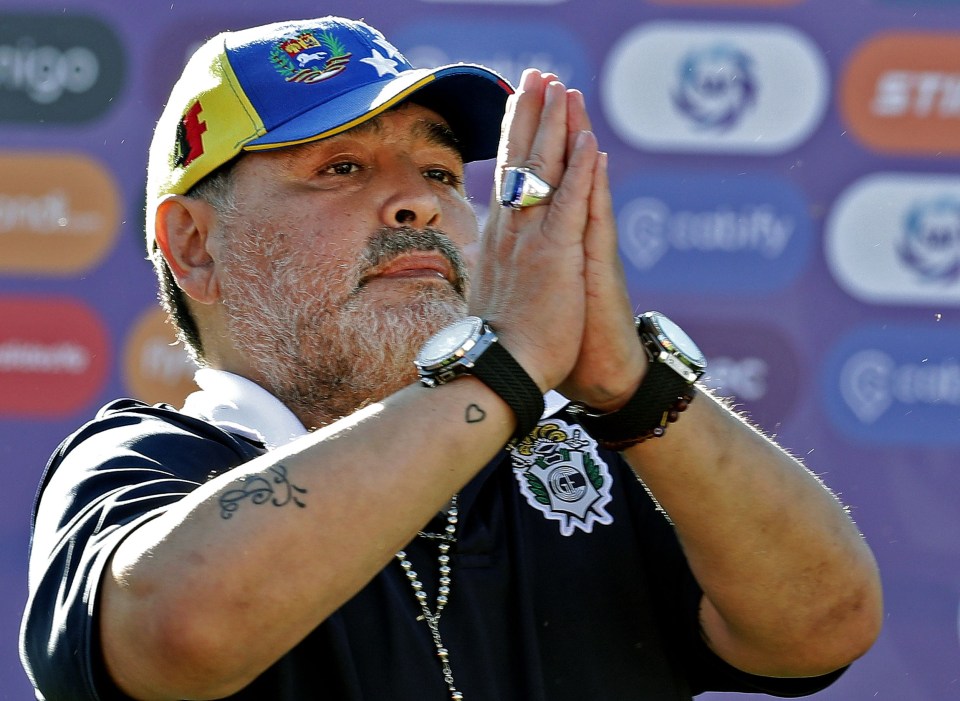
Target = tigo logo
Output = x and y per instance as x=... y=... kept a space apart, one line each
x=156 y=368
x=54 y=356
x=59 y=214
x=895 y=239
x=888 y=384
x=737 y=88
x=901 y=93
x=57 y=68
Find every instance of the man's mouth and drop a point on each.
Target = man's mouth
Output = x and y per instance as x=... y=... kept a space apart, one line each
x=412 y=264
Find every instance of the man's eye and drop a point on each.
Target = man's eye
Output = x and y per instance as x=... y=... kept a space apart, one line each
x=345 y=168
x=444 y=176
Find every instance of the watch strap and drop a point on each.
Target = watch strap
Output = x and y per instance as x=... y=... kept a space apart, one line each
x=500 y=371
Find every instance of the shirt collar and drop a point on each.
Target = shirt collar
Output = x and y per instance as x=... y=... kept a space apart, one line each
x=238 y=405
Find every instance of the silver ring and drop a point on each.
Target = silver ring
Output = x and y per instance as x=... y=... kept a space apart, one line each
x=521 y=187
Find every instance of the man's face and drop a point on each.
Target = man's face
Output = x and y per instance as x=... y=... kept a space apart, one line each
x=341 y=257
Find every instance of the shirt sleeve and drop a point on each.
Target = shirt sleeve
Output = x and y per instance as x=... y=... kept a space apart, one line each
x=126 y=467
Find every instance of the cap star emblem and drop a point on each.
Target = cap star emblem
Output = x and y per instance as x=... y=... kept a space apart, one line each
x=383 y=64
x=386 y=46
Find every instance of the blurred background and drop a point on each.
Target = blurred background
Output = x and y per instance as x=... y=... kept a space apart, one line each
x=786 y=184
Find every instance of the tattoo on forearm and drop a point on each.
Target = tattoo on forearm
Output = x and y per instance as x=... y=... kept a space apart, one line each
x=278 y=490
x=475 y=414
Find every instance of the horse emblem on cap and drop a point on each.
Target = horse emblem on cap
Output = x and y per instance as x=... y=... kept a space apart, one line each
x=310 y=58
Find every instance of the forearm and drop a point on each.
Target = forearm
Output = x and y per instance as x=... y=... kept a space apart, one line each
x=790 y=588
x=202 y=598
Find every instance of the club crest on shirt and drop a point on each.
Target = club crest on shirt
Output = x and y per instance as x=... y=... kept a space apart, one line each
x=561 y=475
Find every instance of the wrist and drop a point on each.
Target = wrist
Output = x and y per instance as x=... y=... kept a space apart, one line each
x=664 y=391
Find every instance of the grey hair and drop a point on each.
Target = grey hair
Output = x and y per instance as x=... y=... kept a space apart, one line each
x=217 y=190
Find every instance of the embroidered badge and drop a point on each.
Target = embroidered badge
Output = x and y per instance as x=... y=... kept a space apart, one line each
x=561 y=474
x=190 y=132
x=310 y=58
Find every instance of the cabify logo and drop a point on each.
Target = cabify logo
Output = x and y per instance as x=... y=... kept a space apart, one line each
x=57 y=68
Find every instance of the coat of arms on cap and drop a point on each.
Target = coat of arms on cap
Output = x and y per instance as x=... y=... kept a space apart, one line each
x=562 y=475
x=309 y=57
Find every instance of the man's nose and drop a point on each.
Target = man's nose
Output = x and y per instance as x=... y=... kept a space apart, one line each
x=412 y=201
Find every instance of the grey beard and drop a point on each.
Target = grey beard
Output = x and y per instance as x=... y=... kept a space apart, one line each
x=328 y=354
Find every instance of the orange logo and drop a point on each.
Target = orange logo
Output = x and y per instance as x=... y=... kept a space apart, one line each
x=901 y=93
x=59 y=214
x=54 y=355
x=156 y=368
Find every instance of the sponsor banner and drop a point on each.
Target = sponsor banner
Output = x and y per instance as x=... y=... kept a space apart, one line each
x=900 y=93
x=57 y=67
x=888 y=384
x=719 y=233
x=59 y=213
x=156 y=368
x=894 y=238
x=721 y=87
x=755 y=365
x=54 y=356
x=506 y=48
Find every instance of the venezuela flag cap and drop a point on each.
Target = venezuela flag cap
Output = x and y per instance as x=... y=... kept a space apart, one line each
x=290 y=83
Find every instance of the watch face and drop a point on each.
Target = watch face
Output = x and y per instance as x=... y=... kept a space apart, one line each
x=675 y=338
x=445 y=344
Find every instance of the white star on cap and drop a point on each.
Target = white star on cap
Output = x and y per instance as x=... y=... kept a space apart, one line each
x=391 y=50
x=383 y=64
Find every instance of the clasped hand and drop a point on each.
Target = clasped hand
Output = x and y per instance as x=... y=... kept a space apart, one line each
x=549 y=277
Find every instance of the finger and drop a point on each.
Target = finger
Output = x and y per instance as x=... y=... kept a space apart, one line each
x=548 y=151
x=568 y=210
x=521 y=119
x=577 y=117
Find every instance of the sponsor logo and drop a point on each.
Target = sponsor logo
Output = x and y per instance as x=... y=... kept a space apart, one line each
x=719 y=232
x=755 y=366
x=888 y=384
x=310 y=58
x=736 y=88
x=562 y=476
x=894 y=238
x=156 y=368
x=59 y=213
x=54 y=355
x=57 y=68
x=506 y=48
x=900 y=93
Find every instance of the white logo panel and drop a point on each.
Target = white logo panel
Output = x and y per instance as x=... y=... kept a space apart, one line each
x=694 y=87
x=895 y=239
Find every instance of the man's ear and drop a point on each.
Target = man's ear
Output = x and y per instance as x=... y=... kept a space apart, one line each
x=182 y=227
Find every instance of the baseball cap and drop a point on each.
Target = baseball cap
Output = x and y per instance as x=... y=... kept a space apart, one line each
x=289 y=83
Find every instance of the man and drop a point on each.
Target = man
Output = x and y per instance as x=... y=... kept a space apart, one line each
x=315 y=523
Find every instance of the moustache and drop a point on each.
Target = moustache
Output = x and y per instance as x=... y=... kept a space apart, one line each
x=387 y=243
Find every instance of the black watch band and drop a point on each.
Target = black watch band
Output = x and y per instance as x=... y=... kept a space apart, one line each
x=660 y=398
x=499 y=371
x=666 y=390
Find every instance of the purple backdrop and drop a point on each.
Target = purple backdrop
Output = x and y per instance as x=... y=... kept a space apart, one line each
x=785 y=182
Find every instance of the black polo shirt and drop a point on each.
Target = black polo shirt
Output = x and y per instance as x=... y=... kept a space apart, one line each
x=568 y=583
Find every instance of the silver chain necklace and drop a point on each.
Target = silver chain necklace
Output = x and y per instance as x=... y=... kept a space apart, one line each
x=445 y=540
